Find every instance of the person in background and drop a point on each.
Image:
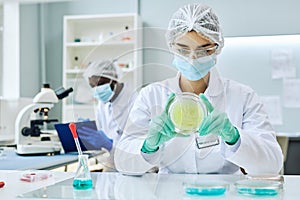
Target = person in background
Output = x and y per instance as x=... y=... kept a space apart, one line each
x=115 y=100
x=235 y=113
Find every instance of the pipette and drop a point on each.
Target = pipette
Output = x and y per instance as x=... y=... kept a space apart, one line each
x=72 y=127
x=2 y=183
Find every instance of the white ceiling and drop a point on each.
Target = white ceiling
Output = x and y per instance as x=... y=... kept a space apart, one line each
x=32 y=1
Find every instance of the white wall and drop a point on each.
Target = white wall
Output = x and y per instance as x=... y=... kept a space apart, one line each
x=11 y=47
x=1 y=48
x=30 y=51
x=238 y=18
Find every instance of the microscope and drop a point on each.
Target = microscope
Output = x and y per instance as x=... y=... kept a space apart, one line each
x=31 y=134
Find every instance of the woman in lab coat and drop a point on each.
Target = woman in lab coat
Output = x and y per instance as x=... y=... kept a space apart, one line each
x=115 y=100
x=235 y=113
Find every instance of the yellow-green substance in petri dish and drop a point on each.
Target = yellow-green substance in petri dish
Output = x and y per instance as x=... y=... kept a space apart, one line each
x=186 y=115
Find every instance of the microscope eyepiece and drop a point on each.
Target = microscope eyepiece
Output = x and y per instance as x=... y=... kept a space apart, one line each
x=46 y=85
x=62 y=92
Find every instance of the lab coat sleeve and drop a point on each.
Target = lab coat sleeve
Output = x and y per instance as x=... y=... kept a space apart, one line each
x=128 y=156
x=258 y=151
x=98 y=115
x=152 y=158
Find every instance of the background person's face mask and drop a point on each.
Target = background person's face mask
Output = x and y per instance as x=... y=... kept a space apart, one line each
x=103 y=92
x=194 y=69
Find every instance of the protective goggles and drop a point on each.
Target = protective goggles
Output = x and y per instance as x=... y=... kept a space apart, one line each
x=197 y=52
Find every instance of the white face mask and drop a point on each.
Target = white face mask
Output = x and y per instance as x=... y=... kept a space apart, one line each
x=194 y=69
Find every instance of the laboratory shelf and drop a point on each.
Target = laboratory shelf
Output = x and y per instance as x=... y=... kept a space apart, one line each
x=90 y=38
x=95 y=44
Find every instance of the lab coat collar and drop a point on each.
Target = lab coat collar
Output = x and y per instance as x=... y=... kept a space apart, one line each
x=215 y=83
x=172 y=84
x=177 y=85
x=115 y=101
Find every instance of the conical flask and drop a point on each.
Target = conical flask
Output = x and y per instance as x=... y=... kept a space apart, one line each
x=82 y=179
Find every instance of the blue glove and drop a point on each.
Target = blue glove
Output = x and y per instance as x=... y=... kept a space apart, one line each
x=217 y=122
x=93 y=139
x=161 y=129
x=80 y=119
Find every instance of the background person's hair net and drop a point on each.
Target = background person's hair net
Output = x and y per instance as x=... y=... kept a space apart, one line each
x=103 y=68
x=197 y=17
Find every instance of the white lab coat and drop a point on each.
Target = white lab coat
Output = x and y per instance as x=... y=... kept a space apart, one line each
x=111 y=118
x=257 y=150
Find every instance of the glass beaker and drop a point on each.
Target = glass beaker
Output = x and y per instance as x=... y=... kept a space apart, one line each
x=187 y=113
x=82 y=179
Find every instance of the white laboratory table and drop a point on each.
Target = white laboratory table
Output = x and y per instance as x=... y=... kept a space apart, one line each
x=11 y=161
x=118 y=186
x=14 y=186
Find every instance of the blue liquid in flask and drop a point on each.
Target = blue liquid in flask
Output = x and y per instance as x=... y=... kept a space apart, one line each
x=82 y=179
x=82 y=184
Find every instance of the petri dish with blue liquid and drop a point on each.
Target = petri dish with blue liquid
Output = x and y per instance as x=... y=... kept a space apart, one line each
x=205 y=188
x=256 y=187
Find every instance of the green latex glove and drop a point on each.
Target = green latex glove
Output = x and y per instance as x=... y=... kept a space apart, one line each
x=161 y=129
x=217 y=122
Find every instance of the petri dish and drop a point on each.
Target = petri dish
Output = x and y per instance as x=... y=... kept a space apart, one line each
x=268 y=177
x=258 y=187
x=187 y=113
x=205 y=188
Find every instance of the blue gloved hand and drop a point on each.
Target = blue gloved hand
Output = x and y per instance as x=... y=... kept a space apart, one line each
x=94 y=140
x=217 y=122
x=81 y=119
x=161 y=129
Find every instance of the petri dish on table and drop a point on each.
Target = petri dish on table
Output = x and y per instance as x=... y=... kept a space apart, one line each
x=205 y=188
x=258 y=187
x=187 y=112
x=267 y=177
